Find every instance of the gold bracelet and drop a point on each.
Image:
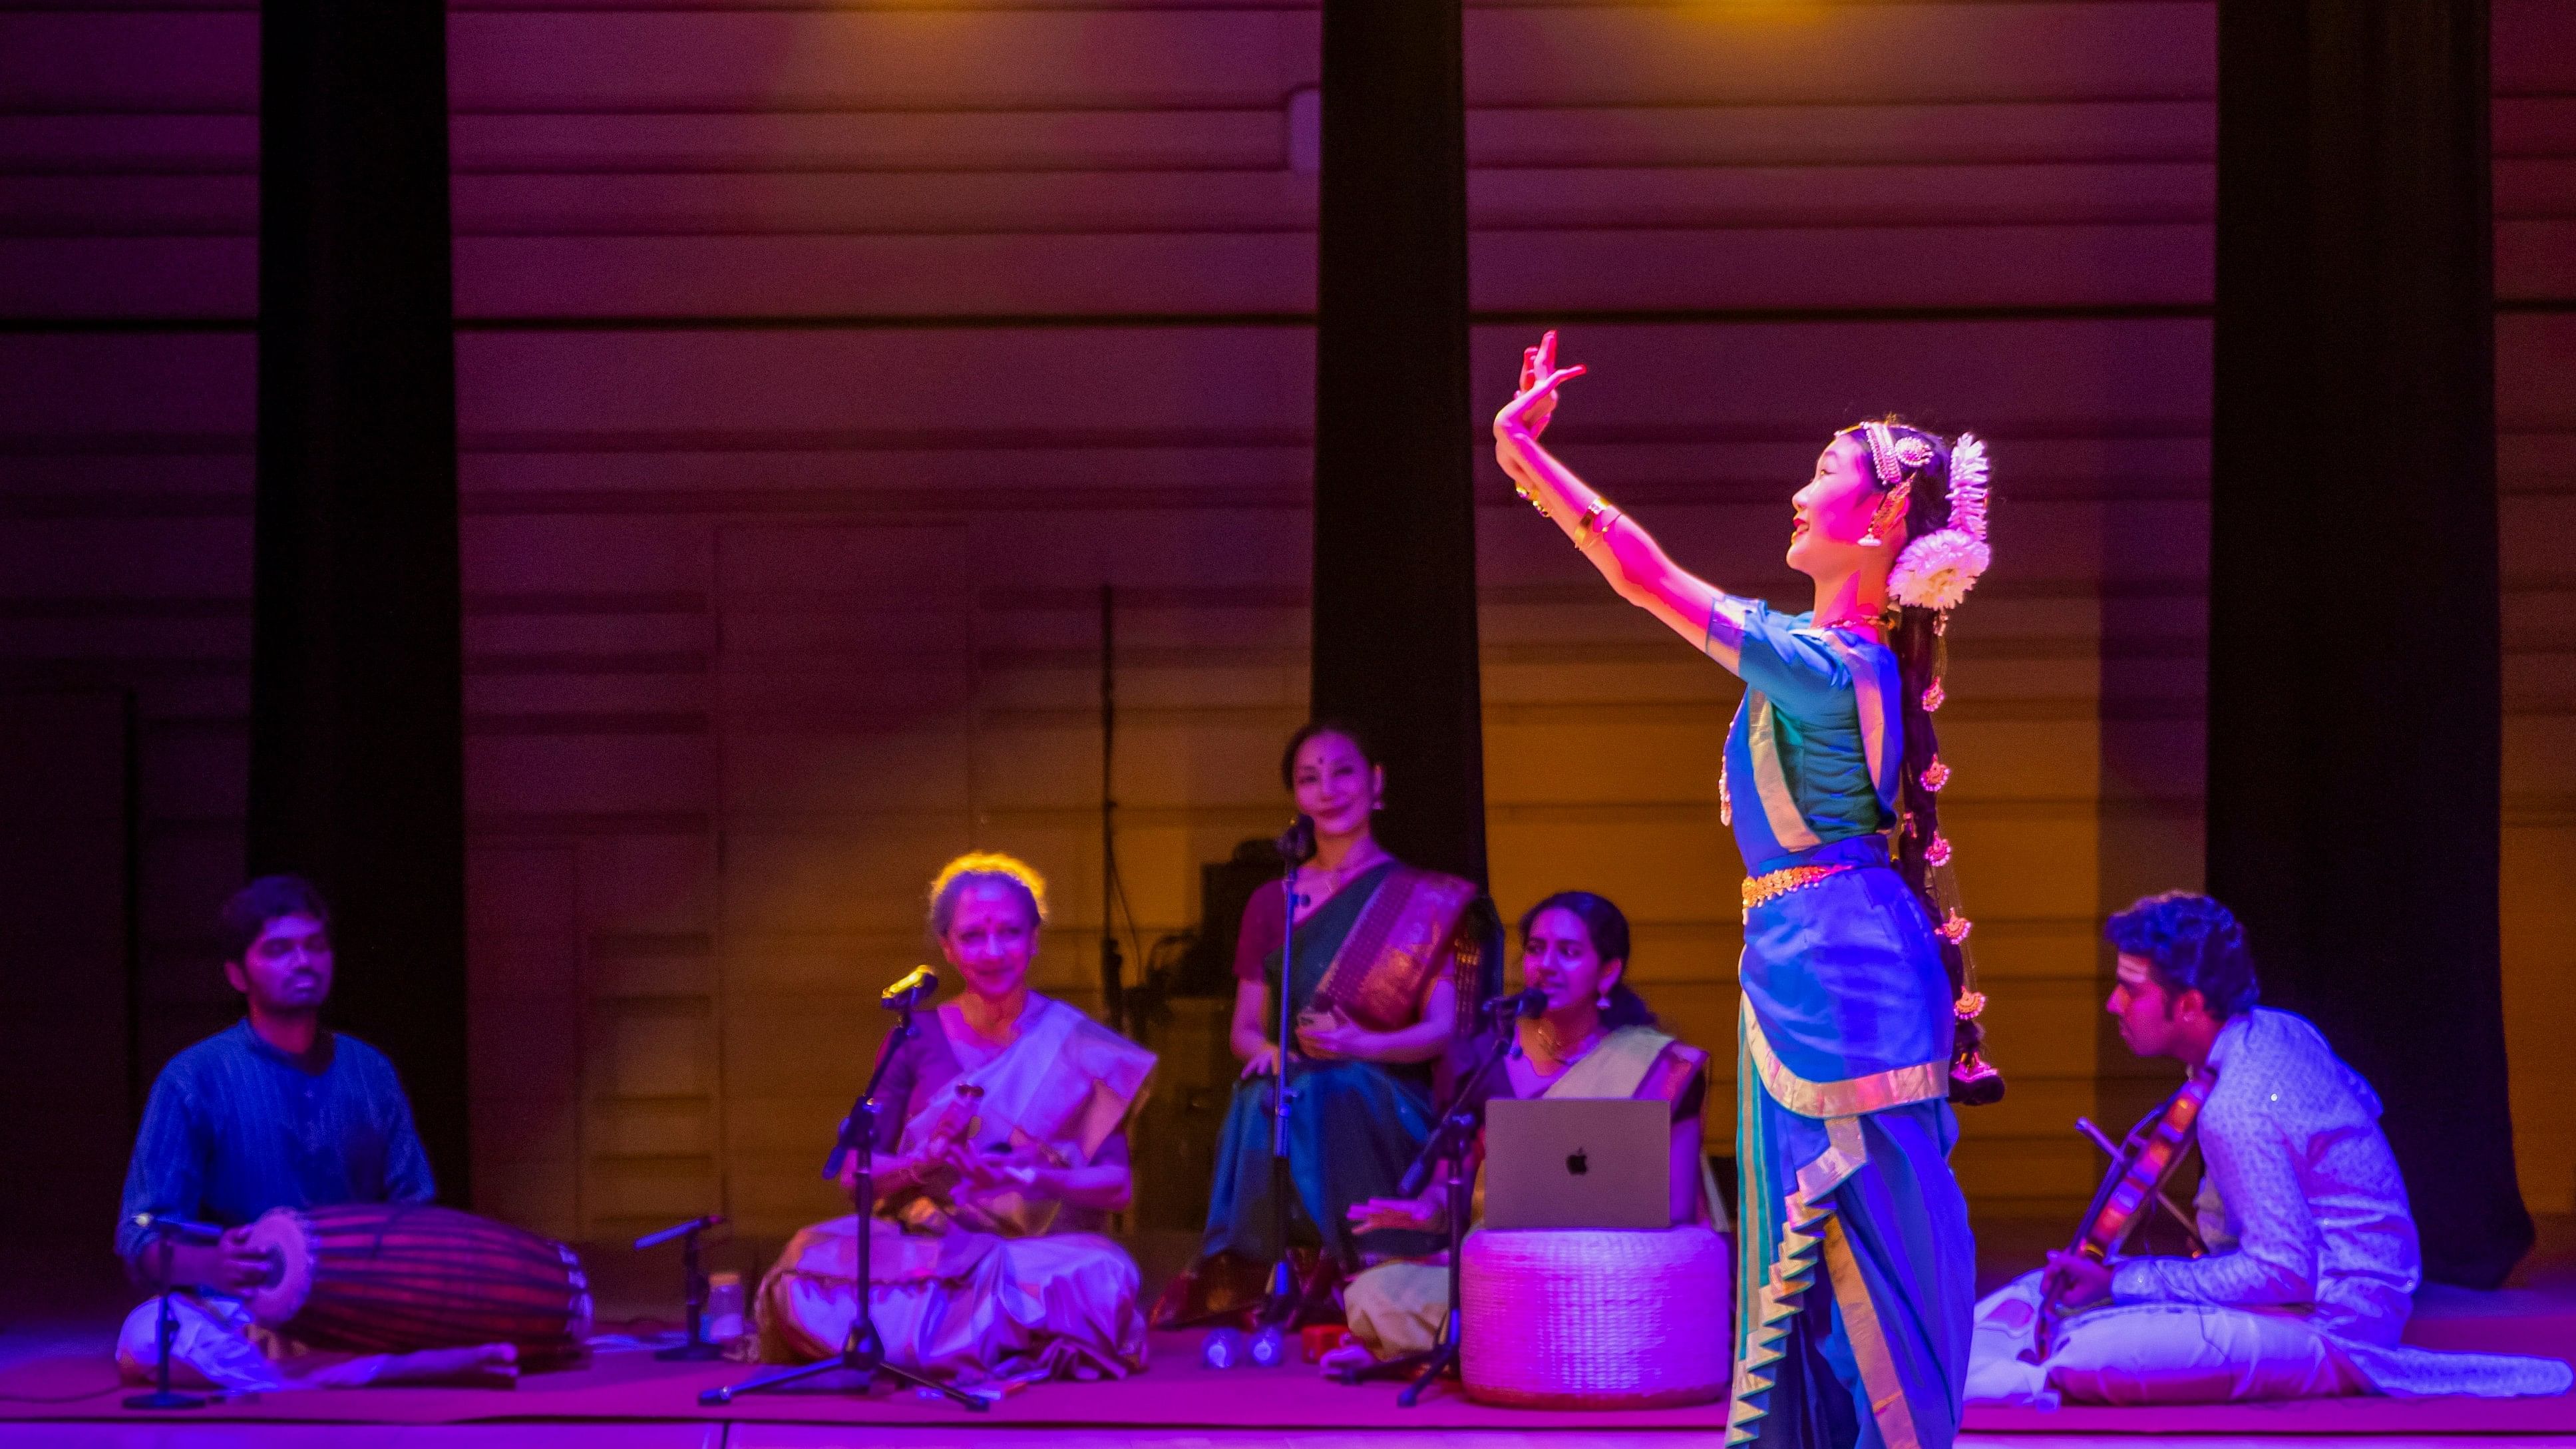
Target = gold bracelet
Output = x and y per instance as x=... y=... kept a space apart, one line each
x=1595 y=523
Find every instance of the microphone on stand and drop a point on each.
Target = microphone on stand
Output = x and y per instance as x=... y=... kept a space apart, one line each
x=693 y=1225
x=1532 y=1002
x=911 y=991
x=905 y=996
x=1297 y=843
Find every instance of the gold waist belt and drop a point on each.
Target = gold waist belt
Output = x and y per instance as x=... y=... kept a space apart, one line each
x=1761 y=888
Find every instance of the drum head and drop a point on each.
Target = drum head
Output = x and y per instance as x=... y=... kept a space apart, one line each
x=287 y=1238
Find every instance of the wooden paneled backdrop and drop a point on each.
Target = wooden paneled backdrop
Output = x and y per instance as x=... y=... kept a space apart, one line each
x=819 y=362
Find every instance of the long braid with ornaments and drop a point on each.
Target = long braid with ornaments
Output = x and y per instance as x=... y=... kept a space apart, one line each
x=1943 y=488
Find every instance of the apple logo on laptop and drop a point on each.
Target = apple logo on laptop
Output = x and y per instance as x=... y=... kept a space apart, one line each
x=1576 y=1163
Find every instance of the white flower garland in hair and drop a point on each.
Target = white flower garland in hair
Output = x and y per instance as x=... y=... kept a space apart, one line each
x=1937 y=570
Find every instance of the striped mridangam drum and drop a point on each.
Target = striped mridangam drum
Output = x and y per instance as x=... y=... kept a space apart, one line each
x=394 y=1277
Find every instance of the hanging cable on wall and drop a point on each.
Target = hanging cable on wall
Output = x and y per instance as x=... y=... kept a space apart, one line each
x=1113 y=888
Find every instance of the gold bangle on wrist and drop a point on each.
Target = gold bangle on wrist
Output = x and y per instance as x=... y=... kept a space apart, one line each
x=1595 y=523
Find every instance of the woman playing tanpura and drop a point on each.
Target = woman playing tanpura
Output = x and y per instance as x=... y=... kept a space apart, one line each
x=1376 y=998
x=1003 y=1149
x=1849 y=1042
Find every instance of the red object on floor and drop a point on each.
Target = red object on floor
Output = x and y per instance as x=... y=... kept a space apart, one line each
x=1322 y=1338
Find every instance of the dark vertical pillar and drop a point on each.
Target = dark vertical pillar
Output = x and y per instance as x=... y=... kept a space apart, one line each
x=357 y=715
x=2355 y=712
x=1395 y=533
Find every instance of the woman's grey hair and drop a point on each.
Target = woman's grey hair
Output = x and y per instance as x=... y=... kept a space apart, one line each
x=984 y=867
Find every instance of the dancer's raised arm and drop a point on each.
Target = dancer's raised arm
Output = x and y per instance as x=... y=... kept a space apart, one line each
x=1636 y=566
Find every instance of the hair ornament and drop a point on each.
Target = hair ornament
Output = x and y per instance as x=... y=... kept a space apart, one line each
x=1937 y=570
x=1933 y=698
x=1935 y=775
x=1937 y=854
x=1955 y=930
x=1882 y=455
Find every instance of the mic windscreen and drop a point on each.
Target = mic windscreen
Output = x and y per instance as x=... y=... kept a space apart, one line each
x=1297 y=843
x=921 y=982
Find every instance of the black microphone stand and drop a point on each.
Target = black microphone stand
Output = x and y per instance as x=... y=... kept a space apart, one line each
x=693 y=1287
x=863 y=1352
x=1448 y=1141
x=1281 y=1304
x=162 y=1396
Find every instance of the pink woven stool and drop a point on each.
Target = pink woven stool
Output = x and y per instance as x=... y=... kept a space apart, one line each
x=1597 y=1319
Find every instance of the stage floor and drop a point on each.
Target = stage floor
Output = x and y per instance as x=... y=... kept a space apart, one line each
x=796 y=1436
x=57 y=1388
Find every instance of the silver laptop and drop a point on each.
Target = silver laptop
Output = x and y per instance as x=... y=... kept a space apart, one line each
x=1581 y=1163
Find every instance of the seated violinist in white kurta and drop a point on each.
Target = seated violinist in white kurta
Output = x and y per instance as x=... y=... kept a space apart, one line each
x=1001 y=1150
x=2313 y=1257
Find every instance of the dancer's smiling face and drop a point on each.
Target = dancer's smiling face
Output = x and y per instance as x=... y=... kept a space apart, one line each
x=1335 y=783
x=1834 y=510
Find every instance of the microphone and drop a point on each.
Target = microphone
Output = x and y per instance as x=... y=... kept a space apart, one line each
x=1297 y=843
x=910 y=991
x=1532 y=1002
x=174 y=1227
x=693 y=1225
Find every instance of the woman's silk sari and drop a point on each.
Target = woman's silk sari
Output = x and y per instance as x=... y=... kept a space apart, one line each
x=1373 y=950
x=986 y=1285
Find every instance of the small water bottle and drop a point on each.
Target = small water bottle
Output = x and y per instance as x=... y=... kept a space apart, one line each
x=724 y=1307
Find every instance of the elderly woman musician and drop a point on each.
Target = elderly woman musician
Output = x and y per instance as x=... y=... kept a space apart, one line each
x=1004 y=1148
x=1595 y=1039
x=1376 y=999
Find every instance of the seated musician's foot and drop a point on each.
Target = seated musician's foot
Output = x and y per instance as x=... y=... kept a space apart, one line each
x=1349 y=1356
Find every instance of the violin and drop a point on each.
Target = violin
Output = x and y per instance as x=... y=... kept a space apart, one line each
x=2129 y=1191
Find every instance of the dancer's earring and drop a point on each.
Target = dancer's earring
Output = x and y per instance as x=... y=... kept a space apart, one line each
x=1601 y=1002
x=1891 y=511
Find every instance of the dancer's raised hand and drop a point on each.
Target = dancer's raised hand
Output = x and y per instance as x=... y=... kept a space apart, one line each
x=1528 y=411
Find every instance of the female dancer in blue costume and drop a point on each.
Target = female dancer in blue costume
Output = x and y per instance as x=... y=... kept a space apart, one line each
x=1848 y=1040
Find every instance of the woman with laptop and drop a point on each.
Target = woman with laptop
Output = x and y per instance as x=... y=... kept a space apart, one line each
x=1594 y=1039
x=1850 y=1042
